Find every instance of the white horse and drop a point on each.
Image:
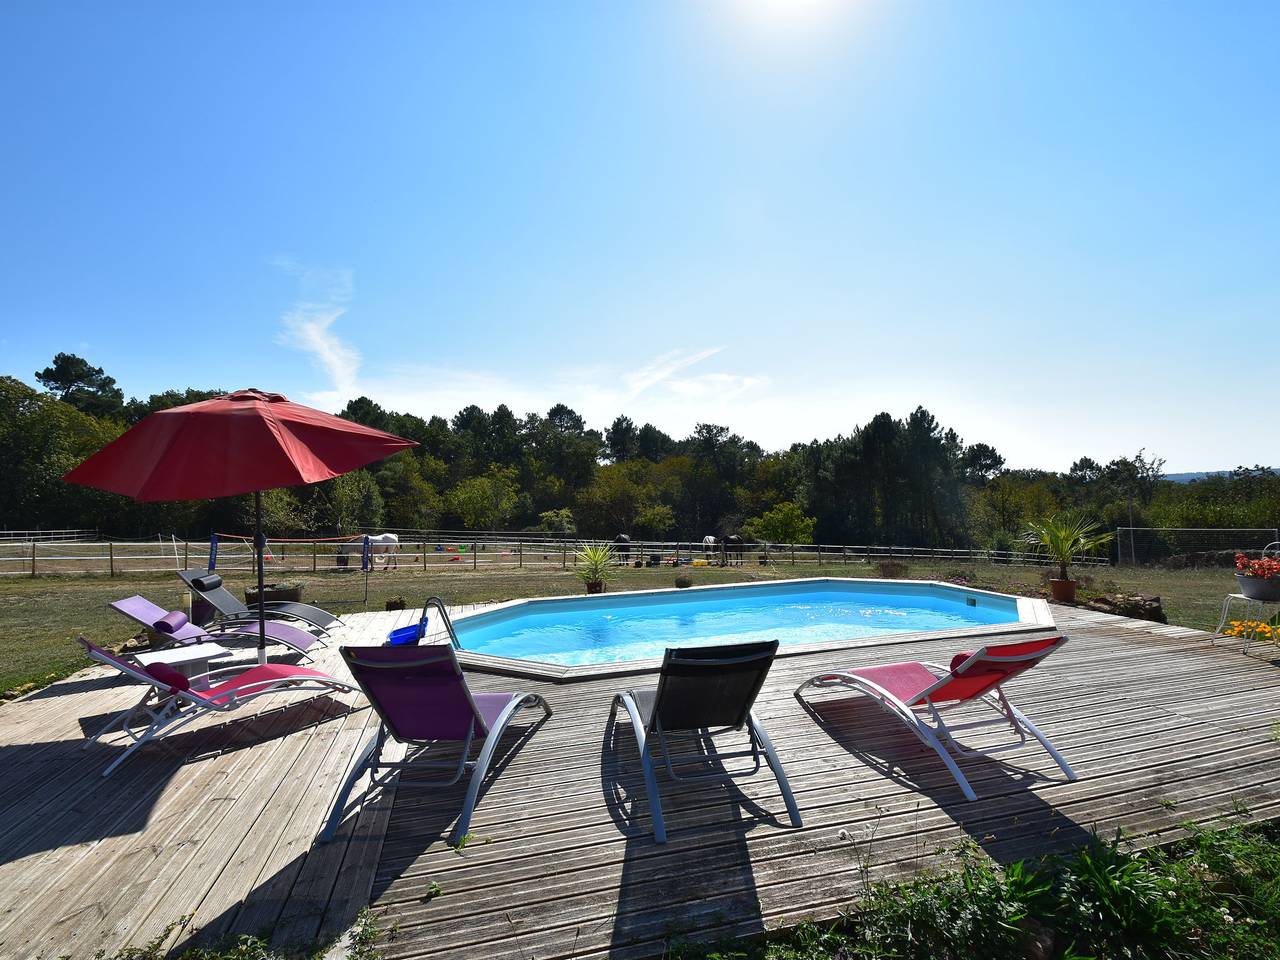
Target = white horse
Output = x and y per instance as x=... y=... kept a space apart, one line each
x=387 y=544
x=710 y=546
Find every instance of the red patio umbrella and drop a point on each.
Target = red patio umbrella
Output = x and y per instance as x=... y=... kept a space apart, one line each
x=245 y=442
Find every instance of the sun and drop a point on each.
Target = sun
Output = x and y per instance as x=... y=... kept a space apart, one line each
x=787 y=22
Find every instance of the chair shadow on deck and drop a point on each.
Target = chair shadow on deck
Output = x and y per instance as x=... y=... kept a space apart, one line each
x=702 y=877
x=434 y=809
x=76 y=685
x=52 y=794
x=1009 y=821
x=313 y=896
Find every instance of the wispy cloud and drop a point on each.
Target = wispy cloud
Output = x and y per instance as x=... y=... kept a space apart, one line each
x=663 y=369
x=307 y=326
x=667 y=389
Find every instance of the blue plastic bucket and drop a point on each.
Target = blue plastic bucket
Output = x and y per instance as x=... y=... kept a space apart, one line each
x=407 y=636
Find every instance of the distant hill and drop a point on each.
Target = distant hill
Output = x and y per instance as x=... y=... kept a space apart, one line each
x=1189 y=477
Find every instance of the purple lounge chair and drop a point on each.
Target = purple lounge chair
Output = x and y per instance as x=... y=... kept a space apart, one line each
x=423 y=699
x=175 y=626
x=171 y=701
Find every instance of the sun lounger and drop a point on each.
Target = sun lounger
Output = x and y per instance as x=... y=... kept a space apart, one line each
x=209 y=587
x=173 y=627
x=702 y=692
x=171 y=702
x=917 y=693
x=423 y=700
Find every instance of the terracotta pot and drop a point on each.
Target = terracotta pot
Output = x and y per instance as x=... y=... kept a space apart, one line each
x=596 y=586
x=1064 y=591
x=1259 y=588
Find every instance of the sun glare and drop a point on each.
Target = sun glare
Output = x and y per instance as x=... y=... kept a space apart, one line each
x=785 y=26
x=791 y=14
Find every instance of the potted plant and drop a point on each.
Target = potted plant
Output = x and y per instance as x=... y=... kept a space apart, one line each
x=275 y=593
x=1063 y=537
x=1259 y=579
x=594 y=567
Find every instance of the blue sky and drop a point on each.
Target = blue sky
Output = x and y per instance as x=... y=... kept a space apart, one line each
x=1055 y=225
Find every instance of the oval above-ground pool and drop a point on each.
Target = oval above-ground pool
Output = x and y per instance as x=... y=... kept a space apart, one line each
x=623 y=628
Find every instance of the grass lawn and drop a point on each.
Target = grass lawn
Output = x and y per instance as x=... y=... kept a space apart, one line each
x=40 y=617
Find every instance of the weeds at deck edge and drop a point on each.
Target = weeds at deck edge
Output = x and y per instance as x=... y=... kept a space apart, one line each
x=1212 y=896
x=358 y=943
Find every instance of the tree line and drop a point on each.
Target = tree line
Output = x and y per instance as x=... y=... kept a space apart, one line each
x=907 y=481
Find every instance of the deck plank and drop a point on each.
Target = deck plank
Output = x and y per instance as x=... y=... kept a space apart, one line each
x=218 y=822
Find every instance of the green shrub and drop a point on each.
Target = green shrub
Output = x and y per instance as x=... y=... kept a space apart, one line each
x=1215 y=896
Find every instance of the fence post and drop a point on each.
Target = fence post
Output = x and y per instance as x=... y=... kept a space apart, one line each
x=315 y=556
x=844 y=554
x=111 y=559
x=475 y=557
x=793 y=554
x=564 y=559
x=424 y=556
x=186 y=554
x=33 y=558
x=520 y=552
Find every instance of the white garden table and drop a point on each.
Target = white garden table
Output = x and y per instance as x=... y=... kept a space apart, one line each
x=190 y=661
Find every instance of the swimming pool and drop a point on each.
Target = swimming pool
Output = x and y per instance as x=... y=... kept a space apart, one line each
x=619 y=628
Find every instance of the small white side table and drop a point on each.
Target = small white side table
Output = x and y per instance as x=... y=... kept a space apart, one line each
x=190 y=661
x=1253 y=610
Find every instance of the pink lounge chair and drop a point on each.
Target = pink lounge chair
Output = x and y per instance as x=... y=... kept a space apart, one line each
x=171 y=702
x=917 y=693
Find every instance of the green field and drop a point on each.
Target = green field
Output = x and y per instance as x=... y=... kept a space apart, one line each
x=40 y=617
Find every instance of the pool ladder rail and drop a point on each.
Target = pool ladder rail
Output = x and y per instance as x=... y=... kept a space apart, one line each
x=444 y=619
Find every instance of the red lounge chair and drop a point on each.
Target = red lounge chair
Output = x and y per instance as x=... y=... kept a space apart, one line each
x=917 y=694
x=171 y=702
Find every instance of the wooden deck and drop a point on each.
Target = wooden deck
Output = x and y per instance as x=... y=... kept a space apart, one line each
x=217 y=823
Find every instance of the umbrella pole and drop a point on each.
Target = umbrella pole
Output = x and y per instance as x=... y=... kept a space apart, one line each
x=260 y=548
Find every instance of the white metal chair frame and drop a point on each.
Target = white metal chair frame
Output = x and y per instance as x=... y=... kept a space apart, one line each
x=370 y=757
x=167 y=709
x=1253 y=609
x=938 y=734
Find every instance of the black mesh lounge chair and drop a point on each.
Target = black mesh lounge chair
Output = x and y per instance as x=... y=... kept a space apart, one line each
x=702 y=692
x=208 y=586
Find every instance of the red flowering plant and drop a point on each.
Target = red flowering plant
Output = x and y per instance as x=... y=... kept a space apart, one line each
x=1265 y=568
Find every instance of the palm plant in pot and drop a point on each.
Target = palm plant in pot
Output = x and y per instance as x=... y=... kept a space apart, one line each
x=1063 y=537
x=1259 y=579
x=594 y=567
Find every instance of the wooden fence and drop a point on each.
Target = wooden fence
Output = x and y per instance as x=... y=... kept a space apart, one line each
x=117 y=558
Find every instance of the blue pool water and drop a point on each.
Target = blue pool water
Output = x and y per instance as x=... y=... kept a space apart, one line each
x=612 y=629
